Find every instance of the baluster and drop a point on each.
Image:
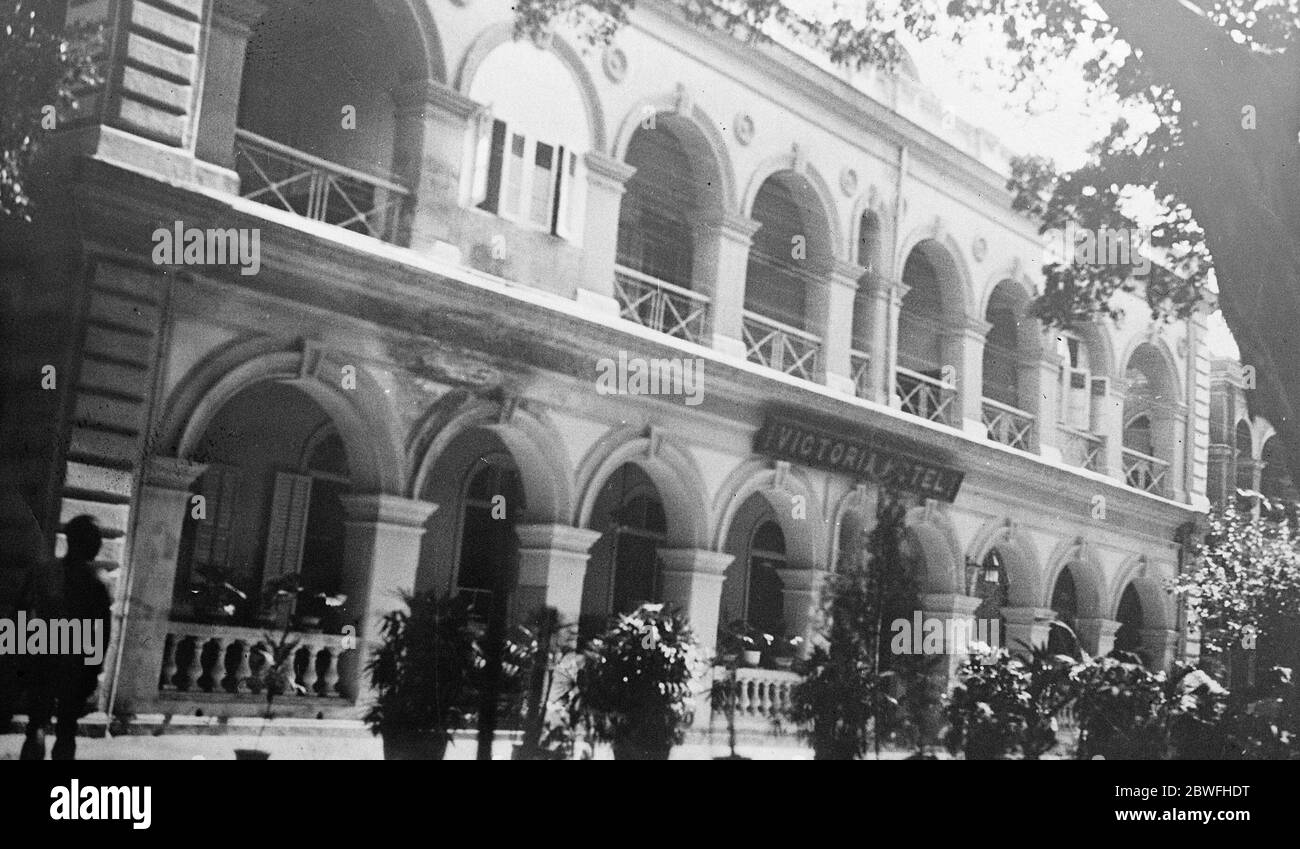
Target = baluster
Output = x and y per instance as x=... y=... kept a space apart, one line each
x=764 y=699
x=309 y=677
x=331 y=678
x=218 y=674
x=243 y=669
x=169 y=662
x=195 y=670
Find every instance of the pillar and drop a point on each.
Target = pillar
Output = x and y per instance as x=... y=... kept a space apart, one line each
x=606 y=181
x=1161 y=647
x=436 y=134
x=163 y=505
x=886 y=305
x=1097 y=635
x=1027 y=628
x=691 y=579
x=801 y=589
x=1110 y=426
x=834 y=322
x=954 y=611
x=963 y=347
x=223 y=74
x=1040 y=395
x=552 y=566
x=381 y=554
x=721 y=263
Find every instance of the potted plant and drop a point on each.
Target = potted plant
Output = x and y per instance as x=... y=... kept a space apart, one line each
x=634 y=686
x=745 y=642
x=277 y=672
x=421 y=672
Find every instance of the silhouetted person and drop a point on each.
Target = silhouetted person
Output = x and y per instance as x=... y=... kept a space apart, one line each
x=61 y=684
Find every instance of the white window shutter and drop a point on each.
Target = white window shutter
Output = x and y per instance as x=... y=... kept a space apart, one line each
x=287 y=525
x=212 y=533
x=482 y=158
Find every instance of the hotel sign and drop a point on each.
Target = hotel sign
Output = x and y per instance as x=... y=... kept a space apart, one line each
x=860 y=454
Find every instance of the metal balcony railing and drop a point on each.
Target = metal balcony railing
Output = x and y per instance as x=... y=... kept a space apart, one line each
x=782 y=347
x=660 y=305
x=1086 y=450
x=1144 y=472
x=922 y=396
x=860 y=364
x=1008 y=425
x=280 y=176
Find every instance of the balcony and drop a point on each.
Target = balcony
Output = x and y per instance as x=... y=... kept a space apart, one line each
x=924 y=397
x=1008 y=425
x=860 y=366
x=660 y=305
x=280 y=176
x=1144 y=472
x=1081 y=449
x=762 y=696
x=782 y=347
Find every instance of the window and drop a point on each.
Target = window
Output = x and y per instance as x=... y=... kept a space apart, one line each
x=1076 y=383
x=530 y=182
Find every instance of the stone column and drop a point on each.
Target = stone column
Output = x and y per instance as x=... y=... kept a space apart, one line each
x=963 y=348
x=800 y=591
x=1111 y=427
x=833 y=319
x=141 y=632
x=223 y=74
x=436 y=132
x=1097 y=635
x=381 y=555
x=1026 y=626
x=691 y=578
x=1161 y=647
x=954 y=611
x=1224 y=467
x=887 y=306
x=606 y=181
x=1040 y=394
x=721 y=263
x=552 y=566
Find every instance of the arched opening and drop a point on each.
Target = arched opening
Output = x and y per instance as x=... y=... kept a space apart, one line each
x=753 y=591
x=1129 y=636
x=1081 y=401
x=1245 y=458
x=670 y=194
x=493 y=500
x=318 y=132
x=989 y=583
x=870 y=258
x=1275 y=480
x=623 y=570
x=1010 y=354
x=271 y=507
x=1149 y=421
x=788 y=262
x=529 y=167
x=928 y=310
x=1065 y=606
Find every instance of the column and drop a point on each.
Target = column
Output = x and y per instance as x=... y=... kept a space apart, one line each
x=1026 y=627
x=1097 y=635
x=223 y=74
x=721 y=263
x=954 y=611
x=381 y=554
x=800 y=591
x=1161 y=647
x=691 y=579
x=963 y=348
x=1224 y=467
x=886 y=306
x=1041 y=383
x=164 y=506
x=552 y=566
x=606 y=181
x=1110 y=426
x=834 y=321
x=435 y=134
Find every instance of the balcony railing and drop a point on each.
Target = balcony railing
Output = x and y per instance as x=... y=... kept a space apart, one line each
x=280 y=176
x=860 y=364
x=226 y=659
x=1144 y=472
x=660 y=305
x=782 y=347
x=1008 y=425
x=762 y=695
x=1085 y=450
x=924 y=396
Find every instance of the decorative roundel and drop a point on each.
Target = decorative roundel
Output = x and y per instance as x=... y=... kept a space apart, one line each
x=744 y=128
x=849 y=181
x=980 y=249
x=614 y=61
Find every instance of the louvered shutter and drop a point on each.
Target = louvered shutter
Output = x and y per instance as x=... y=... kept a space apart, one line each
x=287 y=525
x=220 y=490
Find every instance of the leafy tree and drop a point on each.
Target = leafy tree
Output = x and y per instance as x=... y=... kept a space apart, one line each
x=41 y=68
x=1246 y=580
x=1209 y=87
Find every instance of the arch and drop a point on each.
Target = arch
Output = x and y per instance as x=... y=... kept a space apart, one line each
x=1153 y=357
x=1020 y=560
x=1157 y=603
x=1089 y=579
x=1275 y=480
x=697 y=133
x=940 y=566
x=945 y=254
x=530 y=438
x=803 y=537
x=502 y=32
x=854 y=512
x=671 y=469
x=820 y=196
x=363 y=415
x=1014 y=338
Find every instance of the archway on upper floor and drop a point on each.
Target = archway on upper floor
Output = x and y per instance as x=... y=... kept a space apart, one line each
x=932 y=306
x=1012 y=350
x=1150 y=420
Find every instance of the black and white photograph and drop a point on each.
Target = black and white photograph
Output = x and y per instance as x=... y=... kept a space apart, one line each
x=821 y=380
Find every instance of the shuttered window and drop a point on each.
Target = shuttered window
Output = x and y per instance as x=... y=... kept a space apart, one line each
x=221 y=491
x=286 y=525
